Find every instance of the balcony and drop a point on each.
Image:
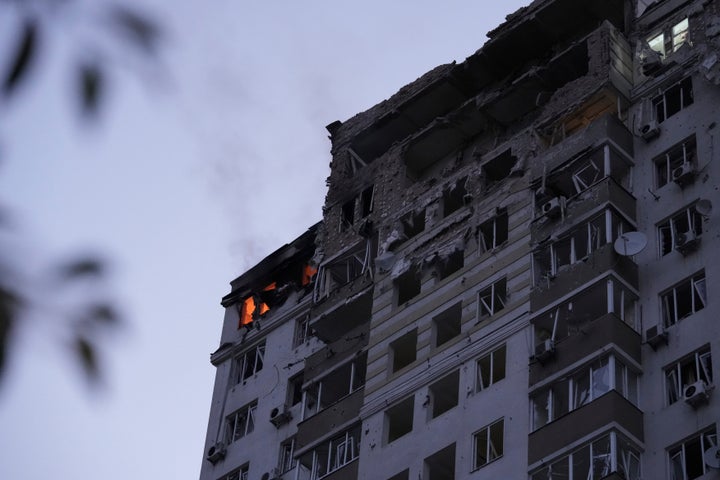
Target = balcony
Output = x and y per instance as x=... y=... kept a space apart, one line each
x=587 y=339
x=330 y=419
x=344 y=311
x=606 y=410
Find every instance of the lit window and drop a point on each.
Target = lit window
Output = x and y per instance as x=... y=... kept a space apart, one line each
x=670 y=40
x=687 y=459
x=240 y=423
x=697 y=367
x=684 y=299
x=249 y=363
x=492 y=299
x=673 y=99
x=673 y=164
x=680 y=232
x=490 y=369
x=494 y=232
x=488 y=443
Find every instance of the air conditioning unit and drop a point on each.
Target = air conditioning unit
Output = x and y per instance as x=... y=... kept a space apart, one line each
x=696 y=393
x=553 y=207
x=684 y=174
x=654 y=336
x=280 y=416
x=649 y=130
x=544 y=351
x=687 y=242
x=216 y=453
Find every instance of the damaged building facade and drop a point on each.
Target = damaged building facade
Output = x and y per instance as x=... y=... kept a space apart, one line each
x=513 y=274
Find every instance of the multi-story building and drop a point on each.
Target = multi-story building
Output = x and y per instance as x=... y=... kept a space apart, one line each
x=513 y=275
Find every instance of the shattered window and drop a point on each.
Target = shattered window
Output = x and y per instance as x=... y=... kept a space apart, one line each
x=673 y=99
x=454 y=197
x=687 y=459
x=684 y=299
x=408 y=286
x=657 y=43
x=450 y=264
x=494 y=232
x=697 y=367
x=488 y=443
x=413 y=223
x=670 y=39
x=492 y=299
x=400 y=419
x=444 y=394
x=330 y=456
x=499 y=167
x=446 y=325
x=302 y=331
x=240 y=423
x=680 y=33
x=680 y=232
x=249 y=363
x=404 y=350
x=287 y=450
x=490 y=369
x=668 y=165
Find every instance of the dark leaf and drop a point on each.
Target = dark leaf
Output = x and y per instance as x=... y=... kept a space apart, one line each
x=91 y=88
x=139 y=29
x=88 y=358
x=82 y=268
x=24 y=54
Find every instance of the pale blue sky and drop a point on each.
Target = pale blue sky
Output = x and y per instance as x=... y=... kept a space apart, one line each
x=182 y=185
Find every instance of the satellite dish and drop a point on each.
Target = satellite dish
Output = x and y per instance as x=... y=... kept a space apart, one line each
x=712 y=457
x=704 y=207
x=630 y=243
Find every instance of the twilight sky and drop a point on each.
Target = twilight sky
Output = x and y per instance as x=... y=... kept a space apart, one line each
x=194 y=172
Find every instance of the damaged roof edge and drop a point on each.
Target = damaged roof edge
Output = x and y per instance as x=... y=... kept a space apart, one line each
x=304 y=244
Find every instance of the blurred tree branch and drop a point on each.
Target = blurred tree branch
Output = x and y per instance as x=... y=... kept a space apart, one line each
x=114 y=28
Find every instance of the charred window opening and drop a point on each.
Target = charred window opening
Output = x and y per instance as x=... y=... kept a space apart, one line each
x=450 y=264
x=358 y=207
x=697 y=367
x=673 y=99
x=441 y=465
x=345 y=268
x=499 y=167
x=444 y=394
x=413 y=223
x=454 y=197
x=682 y=232
x=492 y=299
x=407 y=286
x=686 y=298
x=677 y=163
x=249 y=363
x=400 y=419
x=494 y=232
x=403 y=351
x=446 y=325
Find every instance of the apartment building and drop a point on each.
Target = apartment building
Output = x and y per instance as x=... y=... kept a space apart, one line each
x=513 y=277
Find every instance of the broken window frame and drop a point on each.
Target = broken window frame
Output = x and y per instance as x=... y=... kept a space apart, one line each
x=685 y=97
x=696 y=287
x=286 y=462
x=303 y=332
x=249 y=363
x=674 y=157
x=686 y=371
x=668 y=230
x=492 y=438
x=678 y=464
x=594 y=460
x=671 y=38
x=453 y=197
x=240 y=423
x=295 y=392
x=486 y=373
x=239 y=474
x=332 y=455
x=315 y=396
x=492 y=299
x=357 y=208
x=411 y=223
x=357 y=261
x=494 y=232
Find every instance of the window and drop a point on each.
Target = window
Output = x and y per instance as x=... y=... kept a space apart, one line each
x=687 y=371
x=302 y=331
x=454 y=197
x=550 y=403
x=249 y=363
x=671 y=39
x=287 y=450
x=404 y=475
x=407 y=286
x=404 y=350
x=681 y=231
x=239 y=474
x=673 y=99
x=413 y=223
x=488 y=444
x=446 y=325
x=336 y=385
x=440 y=465
x=686 y=459
x=684 y=299
x=361 y=204
x=344 y=268
x=447 y=265
x=399 y=419
x=594 y=461
x=443 y=394
x=499 y=167
x=494 y=232
x=490 y=369
x=331 y=455
x=240 y=423
x=294 y=390
x=669 y=165
x=492 y=299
